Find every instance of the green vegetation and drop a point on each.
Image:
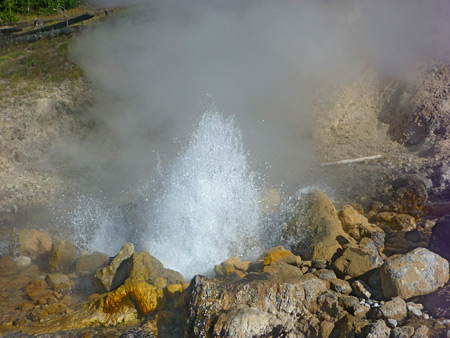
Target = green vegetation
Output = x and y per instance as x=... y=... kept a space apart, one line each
x=46 y=60
x=10 y=9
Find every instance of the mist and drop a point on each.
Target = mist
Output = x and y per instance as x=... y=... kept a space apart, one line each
x=156 y=66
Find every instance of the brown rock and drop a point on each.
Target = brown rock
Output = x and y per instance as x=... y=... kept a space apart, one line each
x=394 y=309
x=417 y=273
x=403 y=332
x=33 y=243
x=7 y=266
x=313 y=229
x=379 y=330
x=232 y=267
x=340 y=286
x=357 y=261
x=26 y=306
x=108 y=278
x=62 y=255
x=403 y=222
x=59 y=281
x=283 y=271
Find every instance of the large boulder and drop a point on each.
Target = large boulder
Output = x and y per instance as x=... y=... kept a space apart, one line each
x=62 y=255
x=33 y=243
x=440 y=238
x=417 y=273
x=110 y=277
x=312 y=229
x=225 y=308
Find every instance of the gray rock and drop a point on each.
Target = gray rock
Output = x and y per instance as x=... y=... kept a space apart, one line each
x=325 y=274
x=417 y=273
x=440 y=237
x=414 y=309
x=246 y=322
x=392 y=323
x=379 y=330
x=23 y=262
x=421 y=332
x=403 y=332
x=110 y=277
x=91 y=262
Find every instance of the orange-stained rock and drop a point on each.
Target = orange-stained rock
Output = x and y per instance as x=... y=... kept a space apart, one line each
x=36 y=294
x=403 y=222
x=26 y=306
x=232 y=267
x=33 y=243
x=147 y=297
x=280 y=254
x=36 y=284
x=409 y=198
x=174 y=288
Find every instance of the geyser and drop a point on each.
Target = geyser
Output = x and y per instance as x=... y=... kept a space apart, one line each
x=208 y=208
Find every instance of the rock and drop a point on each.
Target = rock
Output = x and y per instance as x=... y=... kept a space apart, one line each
x=283 y=272
x=349 y=326
x=313 y=287
x=139 y=332
x=392 y=323
x=280 y=254
x=394 y=309
x=62 y=255
x=414 y=309
x=232 y=267
x=355 y=224
x=144 y=265
x=319 y=264
x=325 y=274
x=440 y=238
x=225 y=307
x=91 y=262
x=420 y=332
x=357 y=261
x=409 y=198
x=340 y=286
x=403 y=222
x=246 y=322
x=403 y=332
x=361 y=289
x=108 y=277
x=33 y=243
x=59 y=281
x=22 y=262
x=7 y=266
x=360 y=310
x=417 y=273
x=412 y=179
x=328 y=302
x=135 y=291
x=172 y=276
x=379 y=330
x=349 y=303
x=313 y=230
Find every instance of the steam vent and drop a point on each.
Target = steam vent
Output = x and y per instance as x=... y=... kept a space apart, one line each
x=214 y=169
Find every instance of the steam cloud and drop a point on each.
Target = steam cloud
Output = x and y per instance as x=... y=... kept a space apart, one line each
x=156 y=66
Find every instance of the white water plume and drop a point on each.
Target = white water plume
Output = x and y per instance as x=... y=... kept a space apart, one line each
x=208 y=210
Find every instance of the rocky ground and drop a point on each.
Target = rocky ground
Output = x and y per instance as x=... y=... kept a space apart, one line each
x=370 y=262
